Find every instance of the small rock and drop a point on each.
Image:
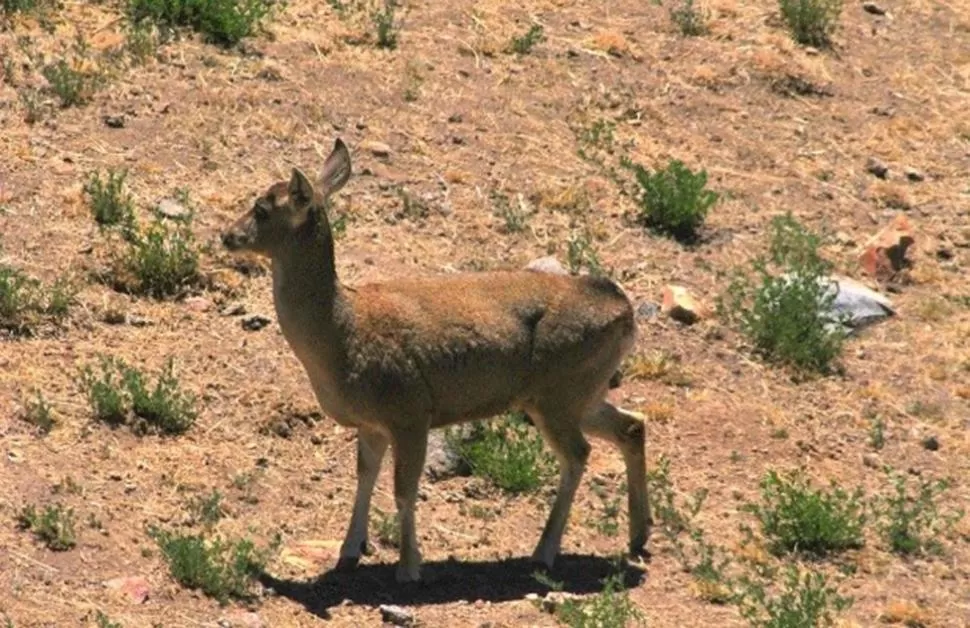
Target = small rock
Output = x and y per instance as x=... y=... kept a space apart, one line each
x=233 y=309
x=135 y=587
x=114 y=476
x=555 y=599
x=377 y=149
x=138 y=321
x=441 y=461
x=931 y=443
x=681 y=306
x=255 y=322
x=454 y=118
x=170 y=208
x=114 y=122
x=548 y=264
x=877 y=168
x=914 y=175
x=872 y=7
x=199 y=304
x=885 y=253
x=944 y=254
x=647 y=309
x=396 y=615
x=871 y=460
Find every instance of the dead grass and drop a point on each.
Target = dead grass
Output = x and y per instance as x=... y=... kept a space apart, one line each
x=461 y=119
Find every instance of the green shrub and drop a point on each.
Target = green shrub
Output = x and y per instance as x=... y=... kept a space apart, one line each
x=523 y=45
x=73 y=87
x=159 y=262
x=610 y=608
x=111 y=205
x=688 y=18
x=811 y=22
x=795 y=517
x=508 y=452
x=787 y=317
x=54 y=526
x=222 y=569
x=805 y=601
x=913 y=523
x=672 y=200
x=224 y=22
x=39 y=413
x=119 y=395
x=384 y=22
x=26 y=303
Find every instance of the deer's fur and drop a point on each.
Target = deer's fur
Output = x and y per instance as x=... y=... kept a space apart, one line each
x=396 y=359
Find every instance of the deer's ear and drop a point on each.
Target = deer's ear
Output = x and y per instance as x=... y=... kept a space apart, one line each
x=336 y=170
x=300 y=189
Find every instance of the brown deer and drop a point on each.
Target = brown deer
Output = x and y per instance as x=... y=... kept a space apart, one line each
x=396 y=359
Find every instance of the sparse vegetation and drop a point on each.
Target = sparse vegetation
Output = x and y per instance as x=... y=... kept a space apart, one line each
x=388 y=528
x=224 y=22
x=581 y=253
x=222 y=569
x=805 y=600
x=111 y=204
x=119 y=395
x=811 y=22
x=39 y=413
x=25 y=303
x=384 y=23
x=913 y=524
x=796 y=517
x=524 y=44
x=161 y=261
x=672 y=200
x=104 y=621
x=689 y=18
x=507 y=452
x=787 y=316
x=206 y=509
x=610 y=608
x=72 y=86
x=514 y=216
x=53 y=526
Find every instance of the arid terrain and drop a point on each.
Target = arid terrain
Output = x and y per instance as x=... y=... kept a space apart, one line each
x=454 y=136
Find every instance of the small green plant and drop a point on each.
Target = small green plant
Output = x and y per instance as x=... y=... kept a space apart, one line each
x=508 y=452
x=610 y=608
x=141 y=40
x=608 y=522
x=795 y=517
x=104 y=621
x=388 y=528
x=514 y=216
x=673 y=200
x=54 y=526
x=25 y=302
x=111 y=205
x=911 y=524
x=224 y=22
x=805 y=601
x=877 y=433
x=788 y=316
x=39 y=413
x=386 y=29
x=222 y=569
x=119 y=395
x=811 y=22
x=689 y=18
x=71 y=86
x=206 y=509
x=160 y=262
x=524 y=44
x=581 y=253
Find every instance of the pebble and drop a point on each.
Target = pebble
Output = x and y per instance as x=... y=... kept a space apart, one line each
x=396 y=615
x=255 y=322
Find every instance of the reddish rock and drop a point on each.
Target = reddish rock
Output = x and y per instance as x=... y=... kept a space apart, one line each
x=681 y=306
x=136 y=588
x=884 y=254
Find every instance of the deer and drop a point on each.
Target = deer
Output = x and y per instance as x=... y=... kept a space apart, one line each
x=398 y=358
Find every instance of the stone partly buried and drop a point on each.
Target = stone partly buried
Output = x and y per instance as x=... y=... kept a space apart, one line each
x=884 y=255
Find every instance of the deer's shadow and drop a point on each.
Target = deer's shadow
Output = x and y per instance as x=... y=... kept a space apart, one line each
x=450 y=581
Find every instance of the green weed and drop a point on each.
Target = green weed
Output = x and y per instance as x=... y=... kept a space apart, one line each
x=524 y=44
x=223 y=22
x=25 y=302
x=161 y=261
x=811 y=22
x=39 y=413
x=673 y=200
x=805 y=601
x=507 y=451
x=222 y=569
x=384 y=23
x=111 y=205
x=54 y=526
x=795 y=517
x=206 y=509
x=912 y=524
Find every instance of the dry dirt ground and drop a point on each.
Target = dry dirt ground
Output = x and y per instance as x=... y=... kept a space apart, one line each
x=464 y=120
